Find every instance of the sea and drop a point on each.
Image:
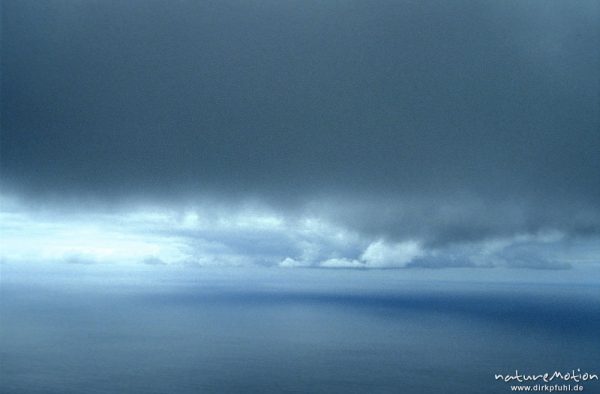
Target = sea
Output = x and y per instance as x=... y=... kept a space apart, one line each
x=78 y=328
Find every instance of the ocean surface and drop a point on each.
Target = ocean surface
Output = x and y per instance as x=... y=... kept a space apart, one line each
x=89 y=329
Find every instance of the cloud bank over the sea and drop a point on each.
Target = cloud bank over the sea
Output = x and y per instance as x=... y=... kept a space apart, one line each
x=212 y=235
x=341 y=135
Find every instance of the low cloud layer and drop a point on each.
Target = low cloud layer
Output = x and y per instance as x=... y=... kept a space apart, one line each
x=405 y=134
x=207 y=236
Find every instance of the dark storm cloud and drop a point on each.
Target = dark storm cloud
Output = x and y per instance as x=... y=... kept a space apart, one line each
x=448 y=121
x=440 y=220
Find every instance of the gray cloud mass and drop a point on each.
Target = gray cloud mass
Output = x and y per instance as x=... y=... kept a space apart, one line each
x=448 y=123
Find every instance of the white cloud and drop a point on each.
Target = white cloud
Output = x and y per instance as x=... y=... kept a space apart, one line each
x=380 y=254
x=288 y=262
x=342 y=263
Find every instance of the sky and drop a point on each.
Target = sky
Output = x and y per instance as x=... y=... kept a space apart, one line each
x=325 y=134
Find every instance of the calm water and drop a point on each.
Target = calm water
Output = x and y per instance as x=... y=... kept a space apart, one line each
x=92 y=330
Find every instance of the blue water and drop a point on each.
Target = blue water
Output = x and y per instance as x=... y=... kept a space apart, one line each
x=89 y=330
